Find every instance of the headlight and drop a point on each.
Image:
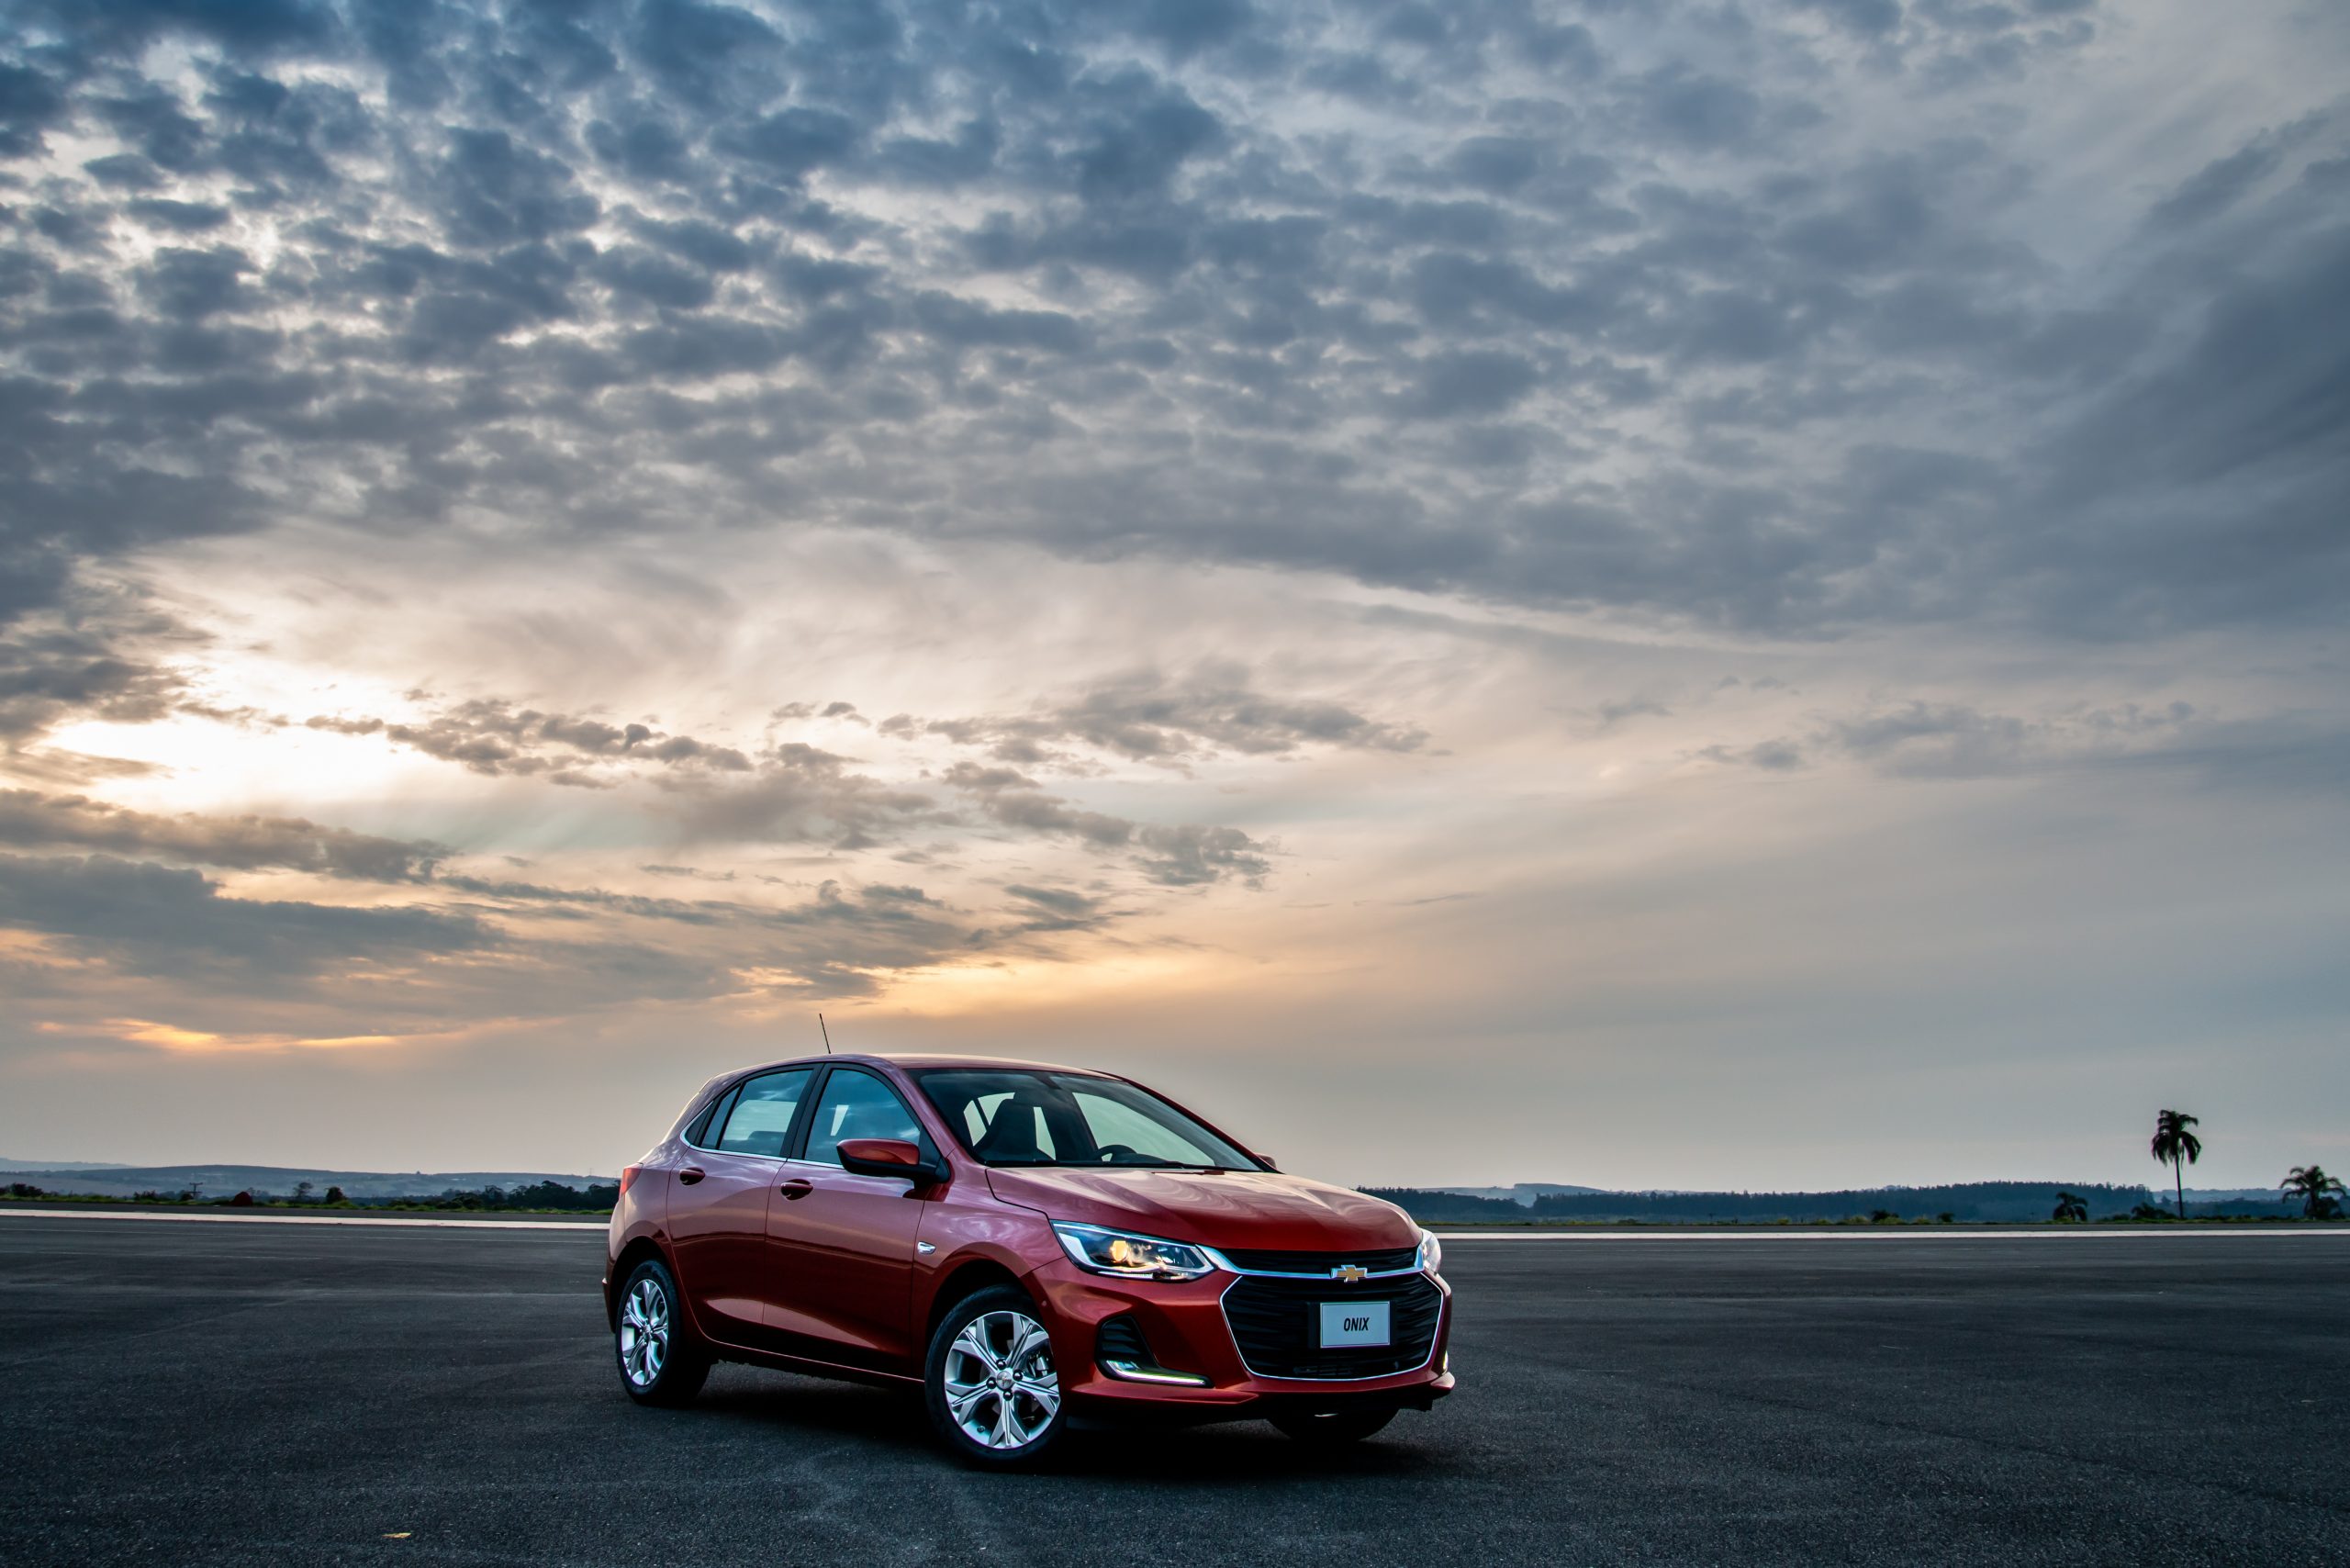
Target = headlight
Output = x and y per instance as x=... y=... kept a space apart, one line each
x=1129 y=1256
x=1431 y=1251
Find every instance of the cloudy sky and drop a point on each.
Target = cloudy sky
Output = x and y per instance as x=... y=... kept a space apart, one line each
x=1747 y=594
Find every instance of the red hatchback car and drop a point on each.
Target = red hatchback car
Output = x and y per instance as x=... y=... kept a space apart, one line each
x=1033 y=1245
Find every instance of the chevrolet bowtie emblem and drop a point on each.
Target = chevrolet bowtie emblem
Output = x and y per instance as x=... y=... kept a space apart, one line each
x=1351 y=1273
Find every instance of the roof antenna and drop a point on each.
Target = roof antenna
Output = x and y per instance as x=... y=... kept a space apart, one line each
x=826 y=1032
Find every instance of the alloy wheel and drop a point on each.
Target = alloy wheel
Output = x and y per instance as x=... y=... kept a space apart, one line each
x=645 y=1333
x=1000 y=1384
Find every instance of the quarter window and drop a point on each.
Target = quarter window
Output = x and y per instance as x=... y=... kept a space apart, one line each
x=703 y=1134
x=761 y=1118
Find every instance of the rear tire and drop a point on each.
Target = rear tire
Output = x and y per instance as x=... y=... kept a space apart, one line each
x=1335 y=1430
x=660 y=1361
x=990 y=1383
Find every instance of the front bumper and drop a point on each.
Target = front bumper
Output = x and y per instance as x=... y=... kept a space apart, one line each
x=1187 y=1332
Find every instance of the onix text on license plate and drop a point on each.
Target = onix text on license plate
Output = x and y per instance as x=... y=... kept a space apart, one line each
x=1354 y=1323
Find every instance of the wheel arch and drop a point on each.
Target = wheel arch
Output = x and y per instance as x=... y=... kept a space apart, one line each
x=967 y=1277
x=636 y=1252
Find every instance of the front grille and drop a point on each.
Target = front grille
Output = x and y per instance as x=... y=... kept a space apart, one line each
x=1386 y=1261
x=1273 y=1322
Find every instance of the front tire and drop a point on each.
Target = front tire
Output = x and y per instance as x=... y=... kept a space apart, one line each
x=989 y=1381
x=1334 y=1430
x=660 y=1364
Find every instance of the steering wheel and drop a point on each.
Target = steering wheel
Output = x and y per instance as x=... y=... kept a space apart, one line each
x=1111 y=1153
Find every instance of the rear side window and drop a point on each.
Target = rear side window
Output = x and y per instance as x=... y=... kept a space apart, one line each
x=762 y=1114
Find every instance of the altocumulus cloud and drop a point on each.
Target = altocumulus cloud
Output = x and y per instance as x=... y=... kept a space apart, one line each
x=246 y=842
x=156 y=919
x=1243 y=285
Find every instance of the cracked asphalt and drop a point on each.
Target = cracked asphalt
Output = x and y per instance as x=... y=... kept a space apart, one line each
x=186 y=1393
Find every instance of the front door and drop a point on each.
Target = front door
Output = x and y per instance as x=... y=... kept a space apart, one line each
x=844 y=1245
x=718 y=1219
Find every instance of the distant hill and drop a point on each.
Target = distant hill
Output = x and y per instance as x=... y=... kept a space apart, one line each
x=2229 y=1196
x=272 y=1180
x=53 y=1165
x=1523 y=1192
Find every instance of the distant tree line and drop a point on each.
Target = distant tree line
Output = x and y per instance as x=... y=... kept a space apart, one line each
x=1975 y=1202
x=537 y=1196
x=1456 y=1208
x=596 y=1198
x=2318 y=1194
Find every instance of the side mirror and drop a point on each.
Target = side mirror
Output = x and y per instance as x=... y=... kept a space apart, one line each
x=889 y=1157
x=1264 y=1160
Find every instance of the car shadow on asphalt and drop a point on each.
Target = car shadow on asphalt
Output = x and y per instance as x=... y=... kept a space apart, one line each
x=893 y=1422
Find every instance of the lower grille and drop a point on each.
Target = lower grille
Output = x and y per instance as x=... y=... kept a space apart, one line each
x=1274 y=1325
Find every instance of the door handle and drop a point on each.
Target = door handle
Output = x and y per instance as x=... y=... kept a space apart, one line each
x=691 y=1174
x=796 y=1188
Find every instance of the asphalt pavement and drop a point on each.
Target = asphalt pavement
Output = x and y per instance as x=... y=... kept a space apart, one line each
x=186 y=1393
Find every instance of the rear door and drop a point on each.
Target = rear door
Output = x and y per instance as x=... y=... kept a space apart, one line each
x=718 y=1205
x=844 y=1245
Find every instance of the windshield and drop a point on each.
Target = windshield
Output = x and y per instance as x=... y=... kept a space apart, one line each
x=1011 y=1117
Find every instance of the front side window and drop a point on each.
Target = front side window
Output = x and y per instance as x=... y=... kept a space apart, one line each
x=858 y=1105
x=1014 y=1117
x=761 y=1117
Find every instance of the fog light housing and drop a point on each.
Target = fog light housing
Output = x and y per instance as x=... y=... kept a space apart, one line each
x=1120 y=1350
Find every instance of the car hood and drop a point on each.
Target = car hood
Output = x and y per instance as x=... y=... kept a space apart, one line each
x=1264 y=1209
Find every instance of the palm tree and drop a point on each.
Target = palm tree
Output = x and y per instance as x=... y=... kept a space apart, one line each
x=2176 y=1146
x=2070 y=1209
x=2317 y=1191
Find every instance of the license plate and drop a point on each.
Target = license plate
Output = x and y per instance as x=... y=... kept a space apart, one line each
x=1354 y=1323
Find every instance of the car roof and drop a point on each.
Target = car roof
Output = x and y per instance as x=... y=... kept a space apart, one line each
x=921 y=1059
